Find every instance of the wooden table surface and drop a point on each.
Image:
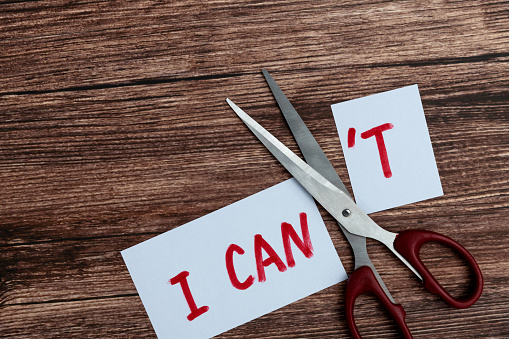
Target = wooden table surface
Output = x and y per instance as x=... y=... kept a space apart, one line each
x=114 y=129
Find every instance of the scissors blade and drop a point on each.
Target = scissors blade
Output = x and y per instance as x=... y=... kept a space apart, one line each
x=310 y=149
x=316 y=158
x=329 y=196
x=335 y=201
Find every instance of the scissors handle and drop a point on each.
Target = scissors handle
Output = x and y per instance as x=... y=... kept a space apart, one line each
x=361 y=281
x=408 y=243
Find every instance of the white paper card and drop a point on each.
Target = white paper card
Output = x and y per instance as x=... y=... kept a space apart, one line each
x=225 y=254
x=387 y=149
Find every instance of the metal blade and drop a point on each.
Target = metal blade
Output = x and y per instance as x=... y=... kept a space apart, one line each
x=335 y=201
x=309 y=147
x=316 y=158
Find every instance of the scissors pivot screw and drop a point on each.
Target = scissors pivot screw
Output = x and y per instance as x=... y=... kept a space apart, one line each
x=346 y=212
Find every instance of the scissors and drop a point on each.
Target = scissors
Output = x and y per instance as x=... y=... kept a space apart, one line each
x=319 y=178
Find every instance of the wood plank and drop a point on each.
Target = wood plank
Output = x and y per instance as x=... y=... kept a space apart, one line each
x=117 y=158
x=91 y=268
x=114 y=129
x=47 y=47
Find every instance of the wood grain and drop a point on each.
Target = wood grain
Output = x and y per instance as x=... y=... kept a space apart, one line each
x=114 y=128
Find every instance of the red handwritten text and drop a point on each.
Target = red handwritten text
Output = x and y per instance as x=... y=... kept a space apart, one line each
x=382 y=151
x=261 y=245
x=351 y=137
x=231 y=269
x=305 y=246
x=181 y=279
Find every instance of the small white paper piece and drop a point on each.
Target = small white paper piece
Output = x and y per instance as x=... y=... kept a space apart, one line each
x=387 y=149
x=235 y=264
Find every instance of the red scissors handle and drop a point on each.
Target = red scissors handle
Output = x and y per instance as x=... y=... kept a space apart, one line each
x=409 y=243
x=363 y=281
